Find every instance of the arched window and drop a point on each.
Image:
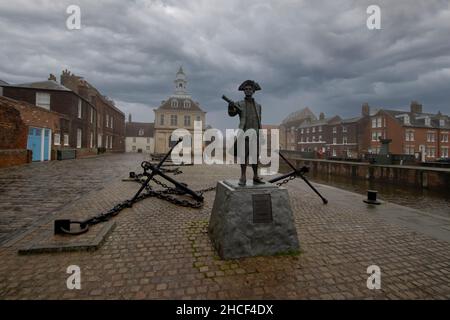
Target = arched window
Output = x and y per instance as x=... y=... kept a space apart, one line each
x=174 y=103
x=187 y=104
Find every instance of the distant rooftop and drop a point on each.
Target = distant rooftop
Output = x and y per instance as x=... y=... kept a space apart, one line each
x=47 y=85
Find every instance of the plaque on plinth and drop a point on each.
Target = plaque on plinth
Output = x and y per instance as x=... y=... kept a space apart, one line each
x=252 y=220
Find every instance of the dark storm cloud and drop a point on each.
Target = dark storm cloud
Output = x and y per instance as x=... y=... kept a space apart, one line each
x=318 y=54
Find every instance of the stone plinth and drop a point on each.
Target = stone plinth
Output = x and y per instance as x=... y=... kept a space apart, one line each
x=252 y=220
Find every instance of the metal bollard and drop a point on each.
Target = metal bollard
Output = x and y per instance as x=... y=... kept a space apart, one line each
x=372 y=197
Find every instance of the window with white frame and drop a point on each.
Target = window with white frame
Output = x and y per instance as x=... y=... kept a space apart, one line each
x=187 y=104
x=79 y=109
x=112 y=121
x=43 y=100
x=92 y=140
x=320 y=128
x=198 y=118
x=79 y=136
x=307 y=130
x=374 y=122
x=301 y=131
x=92 y=115
x=140 y=133
x=111 y=142
x=409 y=150
x=66 y=139
x=444 y=152
x=431 y=152
x=406 y=120
x=409 y=135
x=427 y=121
x=441 y=122
x=444 y=137
x=320 y=138
x=134 y=139
x=313 y=139
x=334 y=140
x=99 y=140
x=334 y=129
x=334 y=152
x=344 y=129
x=57 y=139
x=344 y=139
x=431 y=137
x=107 y=121
x=379 y=122
x=313 y=129
x=174 y=103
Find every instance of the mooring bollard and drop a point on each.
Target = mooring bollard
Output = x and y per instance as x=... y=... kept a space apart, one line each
x=372 y=197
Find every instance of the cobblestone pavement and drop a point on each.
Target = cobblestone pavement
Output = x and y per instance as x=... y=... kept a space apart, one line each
x=34 y=191
x=161 y=251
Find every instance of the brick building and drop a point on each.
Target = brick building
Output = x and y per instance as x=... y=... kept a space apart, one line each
x=13 y=135
x=314 y=135
x=109 y=121
x=74 y=126
x=288 y=128
x=425 y=135
x=179 y=111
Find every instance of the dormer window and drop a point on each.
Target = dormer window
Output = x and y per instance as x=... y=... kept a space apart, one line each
x=141 y=132
x=187 y=104
x=427 y=121
x=441 y=122
x=406 y=120
x=174 y=103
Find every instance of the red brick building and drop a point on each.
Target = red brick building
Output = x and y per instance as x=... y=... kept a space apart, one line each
x=25 y=126
x=110 y=121
x=413 y=132
x=76 y=125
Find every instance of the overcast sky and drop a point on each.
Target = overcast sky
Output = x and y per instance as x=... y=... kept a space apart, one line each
x=318 y=54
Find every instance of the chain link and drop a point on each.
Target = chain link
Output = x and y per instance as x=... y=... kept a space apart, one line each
x=286 y=180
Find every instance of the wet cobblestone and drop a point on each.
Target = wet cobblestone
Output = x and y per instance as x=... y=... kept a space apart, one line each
x=161 y=251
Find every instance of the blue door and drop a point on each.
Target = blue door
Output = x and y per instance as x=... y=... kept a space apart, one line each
x=46 y=143
x=34 y=142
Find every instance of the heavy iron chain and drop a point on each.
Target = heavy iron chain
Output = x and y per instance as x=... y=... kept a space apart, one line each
x=286 y=180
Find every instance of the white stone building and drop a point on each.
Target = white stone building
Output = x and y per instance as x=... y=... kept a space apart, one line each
x=139 y=137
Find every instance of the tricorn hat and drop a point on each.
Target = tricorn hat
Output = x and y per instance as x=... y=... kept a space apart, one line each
x=252 y=83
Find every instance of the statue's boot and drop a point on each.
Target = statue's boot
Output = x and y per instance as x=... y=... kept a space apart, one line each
x=257 y=180
x=242 y=181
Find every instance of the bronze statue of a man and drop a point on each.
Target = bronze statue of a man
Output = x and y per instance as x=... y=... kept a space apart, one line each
x=249 y=112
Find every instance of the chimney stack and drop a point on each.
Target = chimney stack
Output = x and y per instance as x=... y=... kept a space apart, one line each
x=321 y=116
x=365 y=109
x=52 y=77
x=416 y=107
